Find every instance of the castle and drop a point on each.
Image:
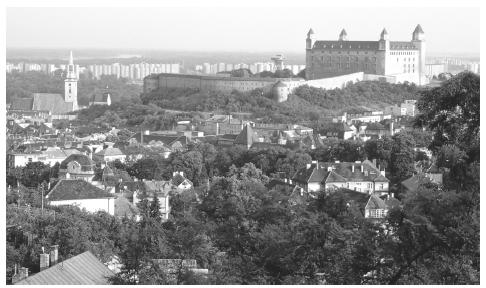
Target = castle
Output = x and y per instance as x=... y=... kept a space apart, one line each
x=329 y=65
x=56 y=105
x=402 y=60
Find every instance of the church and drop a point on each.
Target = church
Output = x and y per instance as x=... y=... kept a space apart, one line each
x=57 y=105
x=394 y=61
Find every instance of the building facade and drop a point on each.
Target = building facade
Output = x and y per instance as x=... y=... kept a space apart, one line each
x=404 y=60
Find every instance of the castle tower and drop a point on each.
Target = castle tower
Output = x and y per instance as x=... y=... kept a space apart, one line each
x=418 y=39
x=309 y=41
x=384 y=43
x=71 y=84
x=343 y=36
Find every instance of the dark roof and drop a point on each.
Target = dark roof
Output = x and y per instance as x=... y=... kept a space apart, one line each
x=86 y=163
x=343 y=32
x=83 y=269
x=74 y=189
x=228 y=136
x=110 y=152
x=280 y=84
x=165 y=139
x=335 y=127
x=51 y=102
x=310 y=31
x=101 y=97
x=374 y=126
x=347 y=45
x=402 y=45
x=178 y=179
x=391 y=202
x=22 y=104
x=384 y=32
x=246 y=136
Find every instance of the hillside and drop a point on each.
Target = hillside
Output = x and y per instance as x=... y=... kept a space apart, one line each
x=304 y=102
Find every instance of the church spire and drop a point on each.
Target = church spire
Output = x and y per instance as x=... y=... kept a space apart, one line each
x=71 y=61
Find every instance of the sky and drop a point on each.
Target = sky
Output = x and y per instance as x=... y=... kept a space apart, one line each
x=251 y=29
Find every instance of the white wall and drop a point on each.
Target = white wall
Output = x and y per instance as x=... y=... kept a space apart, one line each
x=91 y=205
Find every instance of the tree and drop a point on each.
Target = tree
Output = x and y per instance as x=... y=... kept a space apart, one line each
x=155 y=208
x=452 y=112
x=402 y=157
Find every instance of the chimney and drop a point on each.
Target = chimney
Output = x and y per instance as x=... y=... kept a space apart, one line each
x=352 y=168
x=44 y=260
x=54 y=254
x=383 y=172
x=23 y=273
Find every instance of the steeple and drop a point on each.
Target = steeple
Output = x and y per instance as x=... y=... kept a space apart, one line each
x=308 y=40
x=310 y=33
x=71 y=73
x=71 y=61
x=343 y=36
x=71 y=84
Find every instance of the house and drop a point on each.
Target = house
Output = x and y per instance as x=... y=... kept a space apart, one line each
x=359 y=176
x=377 y=208
x=173 y=142
x=77 y=192
x=246 y=137
x=138 y=190
x=77 y=166
x=110 y=154
x=338 y=130
x=180 y=182
x=101 y=99
x=413 y=183
x=82 y=269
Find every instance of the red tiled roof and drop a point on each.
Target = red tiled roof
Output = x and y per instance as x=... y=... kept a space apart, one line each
x=51 y=102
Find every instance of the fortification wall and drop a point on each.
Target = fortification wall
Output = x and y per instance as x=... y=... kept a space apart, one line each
x=335 y=82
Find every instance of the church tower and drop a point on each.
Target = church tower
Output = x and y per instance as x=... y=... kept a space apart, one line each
x=71 y=84
x=418 y=39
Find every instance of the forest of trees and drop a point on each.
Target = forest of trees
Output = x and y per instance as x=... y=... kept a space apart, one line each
x=246 y=232
x=21 y=85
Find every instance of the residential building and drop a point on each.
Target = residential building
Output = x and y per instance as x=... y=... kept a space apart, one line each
x=359 y=176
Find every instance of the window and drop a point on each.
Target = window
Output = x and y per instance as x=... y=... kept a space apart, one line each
x=30 y=159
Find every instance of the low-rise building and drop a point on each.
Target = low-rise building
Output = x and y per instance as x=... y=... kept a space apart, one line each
x=359 y=176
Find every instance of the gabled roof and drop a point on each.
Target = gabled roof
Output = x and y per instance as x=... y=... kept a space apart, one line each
x=375 y=202
x=343 y=33
x=334 y=177
x=167 y=140
x=51 y=102
x=246 y=136
x=82 y=269
x=86 y=163
x=178 y=179
x=76 y=189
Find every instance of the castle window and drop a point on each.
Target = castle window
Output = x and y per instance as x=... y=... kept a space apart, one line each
x=397 y=59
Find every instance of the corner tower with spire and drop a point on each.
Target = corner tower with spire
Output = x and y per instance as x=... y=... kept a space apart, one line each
x=71 y=84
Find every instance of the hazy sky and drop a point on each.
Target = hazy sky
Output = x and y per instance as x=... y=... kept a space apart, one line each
x=450 y=30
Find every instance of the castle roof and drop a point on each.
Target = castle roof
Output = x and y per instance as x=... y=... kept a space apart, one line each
x=310 y=32
x=343 y=33
x=348 y=45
